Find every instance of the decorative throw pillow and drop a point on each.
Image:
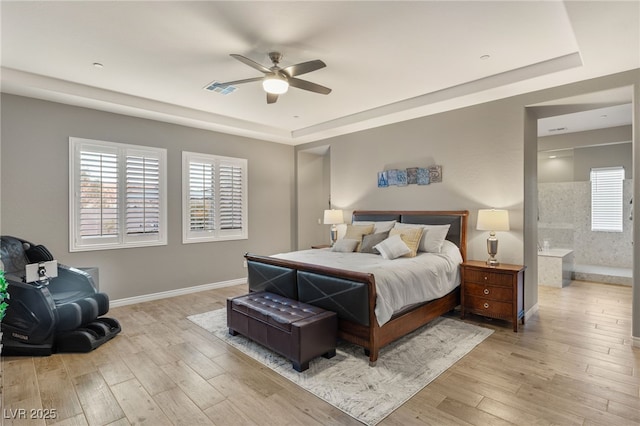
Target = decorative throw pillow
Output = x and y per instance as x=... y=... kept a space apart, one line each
x=392 y=248
x=355 y=232
x=378 y=226
x=432 y=236
x=345 y=245
x=411 y=237
x=369 y=241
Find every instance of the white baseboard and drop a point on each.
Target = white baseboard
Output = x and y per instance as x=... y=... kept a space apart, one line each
x=172 y=293
x=532 y=311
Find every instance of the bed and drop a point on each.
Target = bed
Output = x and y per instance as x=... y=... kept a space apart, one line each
x=353 y=294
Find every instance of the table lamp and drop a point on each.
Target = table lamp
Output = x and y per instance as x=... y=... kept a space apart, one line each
x=333 y=217
x=492 y=220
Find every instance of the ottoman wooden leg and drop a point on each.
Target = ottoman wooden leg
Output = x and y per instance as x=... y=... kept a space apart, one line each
x=233 y=332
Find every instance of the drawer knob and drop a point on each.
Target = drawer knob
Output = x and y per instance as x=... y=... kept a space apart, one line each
x=486 y=305
x=486 y=291
x=486 y=278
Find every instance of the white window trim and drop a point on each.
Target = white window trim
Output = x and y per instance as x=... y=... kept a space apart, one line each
x=609 y=223
x=189 y=236
x=122 y=240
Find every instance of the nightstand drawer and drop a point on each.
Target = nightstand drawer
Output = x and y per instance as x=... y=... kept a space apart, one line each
x=488 y=277
x=503 y=294
x=489 y=307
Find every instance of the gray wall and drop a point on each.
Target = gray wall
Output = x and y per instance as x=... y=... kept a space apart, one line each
x=635 y=295
x=584 y=159
x=558 y=169
x=35 y=169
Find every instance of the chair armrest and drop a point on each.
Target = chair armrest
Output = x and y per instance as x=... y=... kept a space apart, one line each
x=72 y=279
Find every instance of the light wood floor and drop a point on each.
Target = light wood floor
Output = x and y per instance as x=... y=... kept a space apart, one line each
x=572 y=363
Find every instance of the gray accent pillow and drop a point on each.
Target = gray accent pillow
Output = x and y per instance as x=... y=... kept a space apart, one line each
x=345 y=245
x=368 y=241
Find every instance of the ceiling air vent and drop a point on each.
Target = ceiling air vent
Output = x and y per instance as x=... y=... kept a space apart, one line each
x=216 y=86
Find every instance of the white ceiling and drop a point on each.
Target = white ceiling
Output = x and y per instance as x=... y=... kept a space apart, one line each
x=387 y=61
x=598 y=118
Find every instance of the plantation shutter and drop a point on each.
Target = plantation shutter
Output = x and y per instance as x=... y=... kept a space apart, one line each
x=116 y=195
x=98 y=195
x=143 y=195
x=215 y=198
x=231 y=196
x=606 y=199
x=201 y=196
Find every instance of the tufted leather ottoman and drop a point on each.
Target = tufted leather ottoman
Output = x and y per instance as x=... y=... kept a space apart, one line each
x=296 y=330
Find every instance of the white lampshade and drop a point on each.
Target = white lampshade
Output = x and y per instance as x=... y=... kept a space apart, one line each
x=333 y=217
x=275 y=84
x=493 y=220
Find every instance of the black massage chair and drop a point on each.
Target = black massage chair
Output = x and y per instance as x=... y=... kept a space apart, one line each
x=50 y=315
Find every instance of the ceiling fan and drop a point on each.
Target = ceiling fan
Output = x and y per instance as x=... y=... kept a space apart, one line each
x=276 y=80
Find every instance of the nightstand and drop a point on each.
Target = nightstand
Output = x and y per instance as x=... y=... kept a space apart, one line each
x=320 y=246
x=493 y=291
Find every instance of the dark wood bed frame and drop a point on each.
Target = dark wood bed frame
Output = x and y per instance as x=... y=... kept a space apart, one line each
x=373 y=337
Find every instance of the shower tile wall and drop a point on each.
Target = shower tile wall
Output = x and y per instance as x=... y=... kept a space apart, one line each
x=564 y=219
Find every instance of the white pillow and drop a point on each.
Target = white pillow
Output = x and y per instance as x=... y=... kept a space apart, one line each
x=378 y=226
x=451 y=251
x=345 y=245
x=432 y=237
x=342 y=230
x=392 y=247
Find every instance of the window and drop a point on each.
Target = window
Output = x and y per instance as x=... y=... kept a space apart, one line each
x=606 y=199
x=214 y=205
x=117 y=195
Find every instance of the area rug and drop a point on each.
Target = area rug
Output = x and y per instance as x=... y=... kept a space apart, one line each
x=347 y=382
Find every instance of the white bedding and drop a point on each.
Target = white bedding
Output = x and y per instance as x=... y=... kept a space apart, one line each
x=399 y=282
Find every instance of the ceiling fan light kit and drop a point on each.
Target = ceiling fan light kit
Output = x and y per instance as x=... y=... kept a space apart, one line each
x=276 y=80
x=275 y=84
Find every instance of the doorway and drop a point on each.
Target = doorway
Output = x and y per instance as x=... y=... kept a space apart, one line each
x=313 y=192
x=574 y=149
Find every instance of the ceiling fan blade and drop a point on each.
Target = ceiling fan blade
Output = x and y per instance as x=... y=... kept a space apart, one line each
x=235 y=82
x=304 y=67
x=307 y=85
x=271 y=98
x=251 y=63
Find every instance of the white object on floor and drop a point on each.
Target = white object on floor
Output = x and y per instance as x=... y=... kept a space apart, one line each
x=555 y=267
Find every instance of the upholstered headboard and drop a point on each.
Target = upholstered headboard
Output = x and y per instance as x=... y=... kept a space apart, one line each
x=457 y=219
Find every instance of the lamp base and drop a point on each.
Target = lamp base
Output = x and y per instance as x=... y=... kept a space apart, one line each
x=334 y=234
x=492 y=249
x=492 y=261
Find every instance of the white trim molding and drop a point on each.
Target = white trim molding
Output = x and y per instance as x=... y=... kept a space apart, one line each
x=173 y=293
x=531 y=312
